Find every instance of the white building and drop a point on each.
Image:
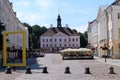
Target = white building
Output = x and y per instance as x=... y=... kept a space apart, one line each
x=93 y=36
x=11 y=22
x=108 y=25
x=58 y=38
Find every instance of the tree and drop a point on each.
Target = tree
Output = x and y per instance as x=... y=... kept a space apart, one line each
x=29 y=27
x=2 y=28
x=75 y=30
x=85 y=35
x=43 y=29
x=38 y=31
x=83 y=41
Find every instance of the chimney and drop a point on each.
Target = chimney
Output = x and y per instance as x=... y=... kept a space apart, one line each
x=51 y=25
x=66 y=25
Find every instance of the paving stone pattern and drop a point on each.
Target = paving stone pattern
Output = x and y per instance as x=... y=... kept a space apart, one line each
x=56 y=68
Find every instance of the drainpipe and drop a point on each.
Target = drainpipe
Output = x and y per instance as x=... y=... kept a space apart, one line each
x=107 y=44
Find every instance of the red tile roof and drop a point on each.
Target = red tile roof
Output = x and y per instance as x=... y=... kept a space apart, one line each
x=54 y=30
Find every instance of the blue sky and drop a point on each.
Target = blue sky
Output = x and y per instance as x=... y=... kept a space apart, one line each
x=75 y=13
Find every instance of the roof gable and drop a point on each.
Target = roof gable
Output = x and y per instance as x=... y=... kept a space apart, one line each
x=60 y=34
x=65 y=30
x=101 y=10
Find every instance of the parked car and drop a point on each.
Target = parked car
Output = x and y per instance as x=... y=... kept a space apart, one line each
x=39 y=54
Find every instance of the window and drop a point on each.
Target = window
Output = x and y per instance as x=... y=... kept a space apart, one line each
x=73 y=39
x=65 y=40
x=73 y=45
x=119 y=47
x=76 y=45
x=55 y=45
x=69 y=39
x=65 y=45
x=55 y=40
x=60 y=40
x=69 y=45
x=50 y=45
x=76 y=39
x=46 y=40
x=0 y=5
x=50 y=40
x=60 y=45
x=43 y=40
x=118 y=15
x=119 y=33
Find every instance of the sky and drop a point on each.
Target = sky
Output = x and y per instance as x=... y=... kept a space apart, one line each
x=75 y=13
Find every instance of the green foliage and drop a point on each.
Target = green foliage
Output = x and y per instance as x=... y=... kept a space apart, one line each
x=36 y=31
x=75 y=30
x=29 y=27
x=83 y=39
x=85 y=35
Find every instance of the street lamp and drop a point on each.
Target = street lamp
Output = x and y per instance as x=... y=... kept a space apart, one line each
x=105 y=48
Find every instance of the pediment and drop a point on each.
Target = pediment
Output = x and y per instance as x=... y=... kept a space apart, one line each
x=60 y=34
x=101 y=10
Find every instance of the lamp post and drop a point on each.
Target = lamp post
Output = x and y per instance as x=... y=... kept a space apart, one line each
x=105 y=49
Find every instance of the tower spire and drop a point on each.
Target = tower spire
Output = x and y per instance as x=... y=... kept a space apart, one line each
x=59 y=19
x=58 y=10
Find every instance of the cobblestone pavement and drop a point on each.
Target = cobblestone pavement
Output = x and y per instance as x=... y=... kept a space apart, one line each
x=56 y=68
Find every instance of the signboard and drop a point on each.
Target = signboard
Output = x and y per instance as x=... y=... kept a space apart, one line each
x=6 y=61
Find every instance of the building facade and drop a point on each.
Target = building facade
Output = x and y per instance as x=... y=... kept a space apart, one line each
x=58 y=38
x=108 y=26
x=93 y=36
x=12 y=23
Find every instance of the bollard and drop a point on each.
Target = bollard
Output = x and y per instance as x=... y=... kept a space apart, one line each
x=28 y=70
x=45 y=70
x=14 y=68
x=67 y=70
x=8 y=70
x=111 y=70
x=105 y=58
x=87 y=70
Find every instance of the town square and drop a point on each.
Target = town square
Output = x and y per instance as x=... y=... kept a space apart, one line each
x=99 y=69
x=59 y=40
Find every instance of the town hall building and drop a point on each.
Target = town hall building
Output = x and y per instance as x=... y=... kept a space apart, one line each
x=59 y=38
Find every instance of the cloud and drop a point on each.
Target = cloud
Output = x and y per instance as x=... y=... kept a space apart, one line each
x=34 y=18
x=44 y=12
x=22 y=3
x=44 y=4
x=81 y=28
x=28 y=18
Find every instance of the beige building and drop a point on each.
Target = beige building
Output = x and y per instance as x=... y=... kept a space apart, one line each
x=12 y=23
x=108 y=27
